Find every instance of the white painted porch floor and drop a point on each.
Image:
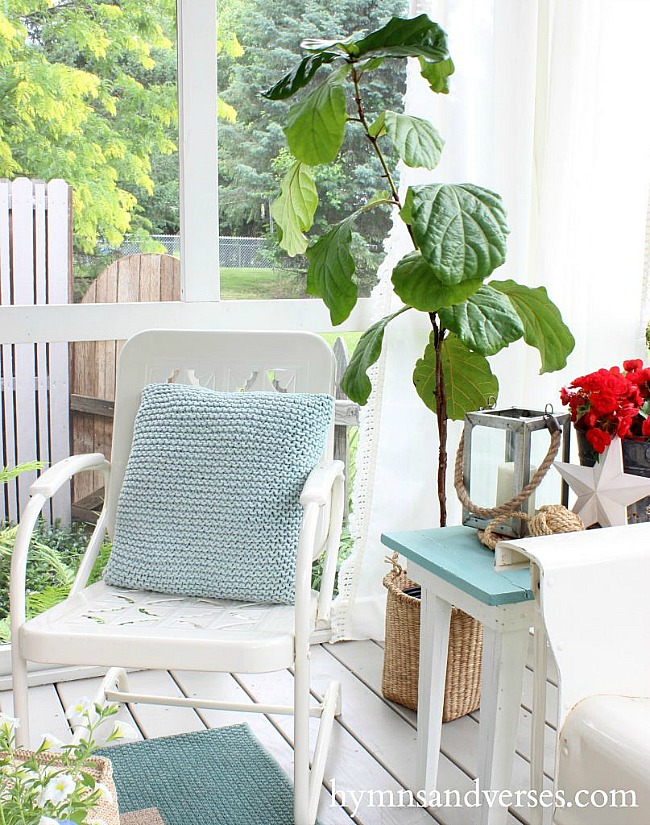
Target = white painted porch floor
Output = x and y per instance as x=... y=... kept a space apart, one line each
x=373 y=745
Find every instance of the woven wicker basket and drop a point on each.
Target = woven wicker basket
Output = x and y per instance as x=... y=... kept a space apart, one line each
x=99 y=767
x=402 y=651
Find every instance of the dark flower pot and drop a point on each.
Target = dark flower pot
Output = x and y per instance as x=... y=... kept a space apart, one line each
x=636 y=461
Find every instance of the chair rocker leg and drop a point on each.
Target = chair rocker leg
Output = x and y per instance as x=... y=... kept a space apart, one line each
x=115 y=681
x=331 y=709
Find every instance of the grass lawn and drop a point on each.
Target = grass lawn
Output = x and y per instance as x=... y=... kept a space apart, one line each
x=257 y=283
x=351 y=339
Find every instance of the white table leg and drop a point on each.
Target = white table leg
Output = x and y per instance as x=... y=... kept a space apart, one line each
x=434 y=638
x=539 y=703
x=504 y=658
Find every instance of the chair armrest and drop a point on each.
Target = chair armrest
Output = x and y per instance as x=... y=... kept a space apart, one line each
x=53 y=478
x=318 y=487
x=43 y=488
x=323 y=496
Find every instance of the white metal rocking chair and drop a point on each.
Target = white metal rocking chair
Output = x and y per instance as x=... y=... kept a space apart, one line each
x=101 y=625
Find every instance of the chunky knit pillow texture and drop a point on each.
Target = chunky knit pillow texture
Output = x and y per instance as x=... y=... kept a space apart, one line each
x=210 y=503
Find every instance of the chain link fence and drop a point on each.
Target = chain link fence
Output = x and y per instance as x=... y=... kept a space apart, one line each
x=234 y=251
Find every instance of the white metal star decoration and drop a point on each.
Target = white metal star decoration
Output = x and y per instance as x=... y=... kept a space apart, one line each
x=605 y=490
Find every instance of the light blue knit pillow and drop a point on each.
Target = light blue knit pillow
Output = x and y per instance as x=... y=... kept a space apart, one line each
x=210 y=500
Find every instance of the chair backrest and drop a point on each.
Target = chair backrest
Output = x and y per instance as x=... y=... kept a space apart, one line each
x=220 y=360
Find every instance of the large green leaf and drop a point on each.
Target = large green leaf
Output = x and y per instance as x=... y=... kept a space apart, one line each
x=437 y=74
x=293 y=209
x=316 y=125
x=544 y=328
x=331 y=270
x=417 y=285
x=486 y=322
x=469 y=382
x=299 y=76
x=460 y=228
x=417 y=142
x=355 y=382
x=400 y=37
x=315 y=44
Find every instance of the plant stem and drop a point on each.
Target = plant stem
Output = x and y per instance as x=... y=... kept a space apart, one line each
x=373 y=140
x=441 y=415
x=375 y=145
x=438 y=330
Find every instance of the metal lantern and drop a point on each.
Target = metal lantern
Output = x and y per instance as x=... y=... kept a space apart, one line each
x=522 y=437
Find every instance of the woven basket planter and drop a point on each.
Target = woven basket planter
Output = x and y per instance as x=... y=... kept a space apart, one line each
x=98 y=766
x=402 y=652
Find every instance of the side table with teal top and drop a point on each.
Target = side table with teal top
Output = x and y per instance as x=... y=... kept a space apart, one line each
x=454 y=569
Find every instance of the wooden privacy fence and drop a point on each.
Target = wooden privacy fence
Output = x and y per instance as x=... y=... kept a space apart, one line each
x=35 y=268
x=135 y=278
x=93 y=364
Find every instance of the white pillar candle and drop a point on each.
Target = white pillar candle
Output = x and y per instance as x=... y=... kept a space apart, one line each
x=506 y=485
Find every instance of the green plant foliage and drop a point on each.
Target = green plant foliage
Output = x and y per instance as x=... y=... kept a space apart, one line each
x=458 y=231
x=542 y=322
x=417 y=142
x=413 y=37
x=438 y=74
x=55 y=553
x=486 y=322
x=469 y=381
x=299 y=77
x=294 y=210
x=355 y=382
x=331 y=267
x=7 y=473
x=315 y=126
x=415 y=282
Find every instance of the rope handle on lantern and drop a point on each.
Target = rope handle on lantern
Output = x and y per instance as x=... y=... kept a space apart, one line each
x=507 y=508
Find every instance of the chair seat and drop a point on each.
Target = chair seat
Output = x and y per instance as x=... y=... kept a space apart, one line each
x=110 y=626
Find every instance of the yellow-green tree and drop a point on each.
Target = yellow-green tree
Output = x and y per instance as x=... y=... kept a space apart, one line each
x=87 y=93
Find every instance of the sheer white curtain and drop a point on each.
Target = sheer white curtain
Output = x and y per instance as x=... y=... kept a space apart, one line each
x=549 y=107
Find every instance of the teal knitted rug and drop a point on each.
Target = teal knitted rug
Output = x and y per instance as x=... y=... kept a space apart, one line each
x=213 y=777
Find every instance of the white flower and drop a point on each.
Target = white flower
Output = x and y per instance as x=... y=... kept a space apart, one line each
x=96 y=822
x=46 y=820
x=58 y=789
x=50 y=742
x=82 y=712
x=8 y=725
x=123 y=730
x=105 y=793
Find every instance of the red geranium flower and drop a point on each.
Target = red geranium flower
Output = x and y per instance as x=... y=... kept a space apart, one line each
x=599 y=439
x=611 y=402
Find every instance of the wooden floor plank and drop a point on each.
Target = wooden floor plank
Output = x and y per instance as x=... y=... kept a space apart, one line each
x=46 y=713
x=459 y=738
x=161 y=720
x=349 y=764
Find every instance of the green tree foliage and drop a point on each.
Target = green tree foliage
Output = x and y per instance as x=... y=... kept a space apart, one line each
x=252 y=157
x=88 y=95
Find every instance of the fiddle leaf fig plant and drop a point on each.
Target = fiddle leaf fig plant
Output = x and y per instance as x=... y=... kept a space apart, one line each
x=458 y=231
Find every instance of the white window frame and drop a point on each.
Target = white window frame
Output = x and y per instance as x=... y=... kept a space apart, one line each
x=200 y=306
